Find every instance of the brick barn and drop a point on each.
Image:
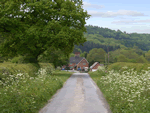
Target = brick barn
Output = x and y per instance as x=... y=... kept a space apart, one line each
x=94 y=67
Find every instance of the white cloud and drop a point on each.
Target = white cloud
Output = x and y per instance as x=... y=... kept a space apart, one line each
x=89 y=5
x=131 y=21
x=110 y=14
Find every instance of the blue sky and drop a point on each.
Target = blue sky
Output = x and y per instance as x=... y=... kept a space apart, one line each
x=128 y=15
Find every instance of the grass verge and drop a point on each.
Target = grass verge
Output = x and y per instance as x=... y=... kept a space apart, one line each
x=21 y=93
x=125 y=92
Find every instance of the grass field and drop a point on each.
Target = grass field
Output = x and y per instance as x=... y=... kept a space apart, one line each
x=22 y=93
x=126 y=90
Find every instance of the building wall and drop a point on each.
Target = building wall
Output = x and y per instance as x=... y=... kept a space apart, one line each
x=72 y=65
x=95 y=67
x=81 y=64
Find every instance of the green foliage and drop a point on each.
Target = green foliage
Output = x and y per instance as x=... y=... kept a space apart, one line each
x=72 y=55
x=77 y=50
x=147 y=55
x=55 y=56
x=30 y=68
x=84 y=54
x=104 y=36
x=136 y=66
x=132 y=60
x=122 y=58
x=141 y=59
x=96 y=55
x=90 y=44
x=46 y=24
x=1 y=59
x=67 y=67
x=130 y=55
x=19 y=59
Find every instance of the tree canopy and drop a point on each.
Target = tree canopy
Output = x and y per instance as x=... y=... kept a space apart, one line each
x=55 y=56
x=30 y=27
x=103 y=36
x=96 y=55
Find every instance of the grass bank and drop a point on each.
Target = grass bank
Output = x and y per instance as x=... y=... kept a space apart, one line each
x=126 y=92
x=22 y=93
x=136 y=66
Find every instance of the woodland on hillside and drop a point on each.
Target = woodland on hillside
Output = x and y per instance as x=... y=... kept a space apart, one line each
x=122 y=47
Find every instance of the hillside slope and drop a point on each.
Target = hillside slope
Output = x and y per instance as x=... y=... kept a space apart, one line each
x=98 y=37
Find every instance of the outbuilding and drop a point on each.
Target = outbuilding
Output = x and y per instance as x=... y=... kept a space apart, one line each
x=94 y=67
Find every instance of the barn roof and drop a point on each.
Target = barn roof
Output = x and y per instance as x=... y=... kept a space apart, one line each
x=95 y=65
x=75 y=59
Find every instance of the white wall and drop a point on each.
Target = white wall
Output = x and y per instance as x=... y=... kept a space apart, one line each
x=94 y=70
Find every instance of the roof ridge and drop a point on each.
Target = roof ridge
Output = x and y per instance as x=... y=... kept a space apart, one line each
x=94 y=64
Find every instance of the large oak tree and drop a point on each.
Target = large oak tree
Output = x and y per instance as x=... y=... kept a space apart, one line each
x=33 y=26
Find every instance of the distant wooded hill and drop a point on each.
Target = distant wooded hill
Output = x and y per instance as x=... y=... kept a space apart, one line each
x=98 y=37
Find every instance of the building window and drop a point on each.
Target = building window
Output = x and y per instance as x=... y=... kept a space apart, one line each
x=84 y=63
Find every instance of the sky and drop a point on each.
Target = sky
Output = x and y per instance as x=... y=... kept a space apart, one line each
x=132 y=16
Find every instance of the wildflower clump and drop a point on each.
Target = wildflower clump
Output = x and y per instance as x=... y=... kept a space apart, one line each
x=102 y=70
x=128 y=91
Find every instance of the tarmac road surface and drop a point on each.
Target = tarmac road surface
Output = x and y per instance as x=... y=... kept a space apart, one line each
x=79 y=95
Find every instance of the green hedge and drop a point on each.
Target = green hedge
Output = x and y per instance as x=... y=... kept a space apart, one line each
x=13 y=68
x=136 y=66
